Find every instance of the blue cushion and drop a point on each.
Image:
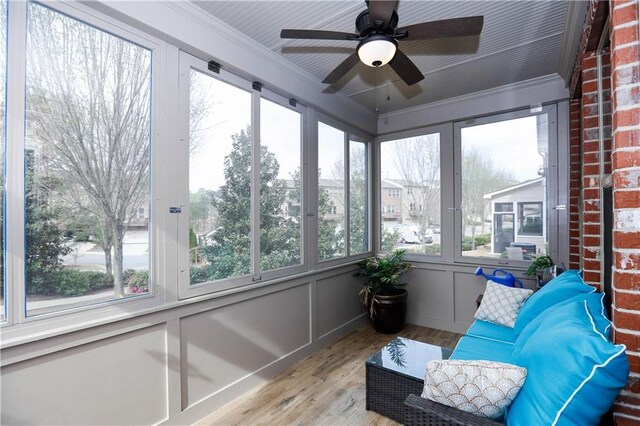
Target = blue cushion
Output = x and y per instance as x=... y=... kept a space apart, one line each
x=574 y=373
x=492 y=331
x=595 y=304
x=561 y=288
x=475 y=348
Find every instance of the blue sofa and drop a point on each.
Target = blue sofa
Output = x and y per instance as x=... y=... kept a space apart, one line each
x=562 y=337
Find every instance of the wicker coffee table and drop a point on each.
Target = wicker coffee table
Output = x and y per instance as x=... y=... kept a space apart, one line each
x=396 y=371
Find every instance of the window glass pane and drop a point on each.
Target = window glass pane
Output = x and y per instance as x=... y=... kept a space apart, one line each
x=87 y=164
x=530 y=219
x=3 y=143
x=504 y=163
x=330 y=192
x=280 y=188
x=358 y=198
x=219 y=179
x=410 y=194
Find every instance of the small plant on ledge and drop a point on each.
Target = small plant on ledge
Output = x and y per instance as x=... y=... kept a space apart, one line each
x=382 y=292
x=542 y=267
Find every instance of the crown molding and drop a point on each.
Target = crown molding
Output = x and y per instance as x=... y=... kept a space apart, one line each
x=576 y=12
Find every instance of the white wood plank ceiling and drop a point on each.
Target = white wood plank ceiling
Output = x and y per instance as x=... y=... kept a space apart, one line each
x=520 y=40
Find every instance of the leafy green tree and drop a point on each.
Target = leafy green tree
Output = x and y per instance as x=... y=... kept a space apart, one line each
x=45 y=243
x=228 y=253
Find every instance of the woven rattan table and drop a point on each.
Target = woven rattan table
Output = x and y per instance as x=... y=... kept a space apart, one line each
x=397 y=370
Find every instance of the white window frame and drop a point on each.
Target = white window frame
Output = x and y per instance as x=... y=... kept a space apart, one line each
x=255 y=277
x=446 y=189
x=551 y=198
x=356 y=135
x=18 y=327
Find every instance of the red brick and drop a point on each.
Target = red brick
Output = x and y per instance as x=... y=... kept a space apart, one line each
x=590 y=169
x=591 y=217
x=591 y=205
x=626 y=239
x=591 y=146
x=590 y=157
x=626 y=179
x=591 y=193
x=625 y=55
x=625 y=35
x=624 y=421
x=623 y=15
x=591 y=277
x=631 y=341
x=591 y=264
x=629 y=117
x=628 y=321
x=627 y=138
x=589 y=61
x=626 y=261
x=632 y=302
x=626 y=280
x=623 y=159
x=626 y=75
x=590 y=86
x=591 y=229
x=629 y=399
x=626 y=199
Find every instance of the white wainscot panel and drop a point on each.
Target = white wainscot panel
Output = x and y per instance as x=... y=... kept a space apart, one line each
x=430 y=301
x=222 y=346
x=337 y=301
x=119 y=380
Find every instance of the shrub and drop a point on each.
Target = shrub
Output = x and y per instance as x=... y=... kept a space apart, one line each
x=138 y=281
x=69 y=283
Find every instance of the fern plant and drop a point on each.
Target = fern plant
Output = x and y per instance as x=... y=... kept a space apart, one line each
x=382 y=275
x=539 y=263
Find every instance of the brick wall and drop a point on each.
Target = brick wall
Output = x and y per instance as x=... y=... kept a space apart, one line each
x=575 y=179
x=589 y=157
x=625 y=63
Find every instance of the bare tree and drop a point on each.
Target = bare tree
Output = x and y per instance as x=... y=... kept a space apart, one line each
x=479 y=176
x=418 y=162
x=89 y=98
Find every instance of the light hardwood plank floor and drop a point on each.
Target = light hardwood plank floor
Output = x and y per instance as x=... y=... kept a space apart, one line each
x=326 y=388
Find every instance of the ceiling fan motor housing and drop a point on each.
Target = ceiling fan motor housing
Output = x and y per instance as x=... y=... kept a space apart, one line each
x=366 y=27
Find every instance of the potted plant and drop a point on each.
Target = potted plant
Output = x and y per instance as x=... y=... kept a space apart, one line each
x=382 y=293
x=543 y=268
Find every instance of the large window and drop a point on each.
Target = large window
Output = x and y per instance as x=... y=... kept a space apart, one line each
x=504 y=173
x=86 y=159
x=220 y=142
x=410 y=194
x=342 y=182
x=245 y=182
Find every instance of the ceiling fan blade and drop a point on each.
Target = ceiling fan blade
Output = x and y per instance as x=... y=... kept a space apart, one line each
x=382 y=10
x=405 y=68
x=342 y=69
x=318 y=35
x=455 y=27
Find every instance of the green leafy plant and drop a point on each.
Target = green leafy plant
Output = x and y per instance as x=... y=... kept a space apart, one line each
x=382 y=275
x=539 y=264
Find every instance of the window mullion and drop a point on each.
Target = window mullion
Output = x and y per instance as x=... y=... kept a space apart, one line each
x=15 y=236
x=347 y=196
x=255 y=184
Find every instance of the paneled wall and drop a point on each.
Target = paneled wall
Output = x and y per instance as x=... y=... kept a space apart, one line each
x=179 y=364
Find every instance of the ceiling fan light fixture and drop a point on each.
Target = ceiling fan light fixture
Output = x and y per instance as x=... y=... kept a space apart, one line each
x=377 y=50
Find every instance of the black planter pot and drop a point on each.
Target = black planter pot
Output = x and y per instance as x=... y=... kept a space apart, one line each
x=390 y=312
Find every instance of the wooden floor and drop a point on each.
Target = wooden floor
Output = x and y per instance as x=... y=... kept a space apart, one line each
x=326 y=388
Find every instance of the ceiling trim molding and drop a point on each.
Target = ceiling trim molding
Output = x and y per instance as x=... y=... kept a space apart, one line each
x=196 y=32
x=549 y=88
x=576 y=15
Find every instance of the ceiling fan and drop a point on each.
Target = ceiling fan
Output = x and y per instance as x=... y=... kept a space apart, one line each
x=378 y=38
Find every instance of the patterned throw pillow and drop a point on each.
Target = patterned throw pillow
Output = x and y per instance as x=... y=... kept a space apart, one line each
x=501 y=304
x=483 y=388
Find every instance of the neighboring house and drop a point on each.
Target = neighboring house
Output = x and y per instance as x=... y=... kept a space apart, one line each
x=518 y=217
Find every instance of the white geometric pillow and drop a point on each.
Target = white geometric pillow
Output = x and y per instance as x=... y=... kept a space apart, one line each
x=501 y=304
x=483 y=388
